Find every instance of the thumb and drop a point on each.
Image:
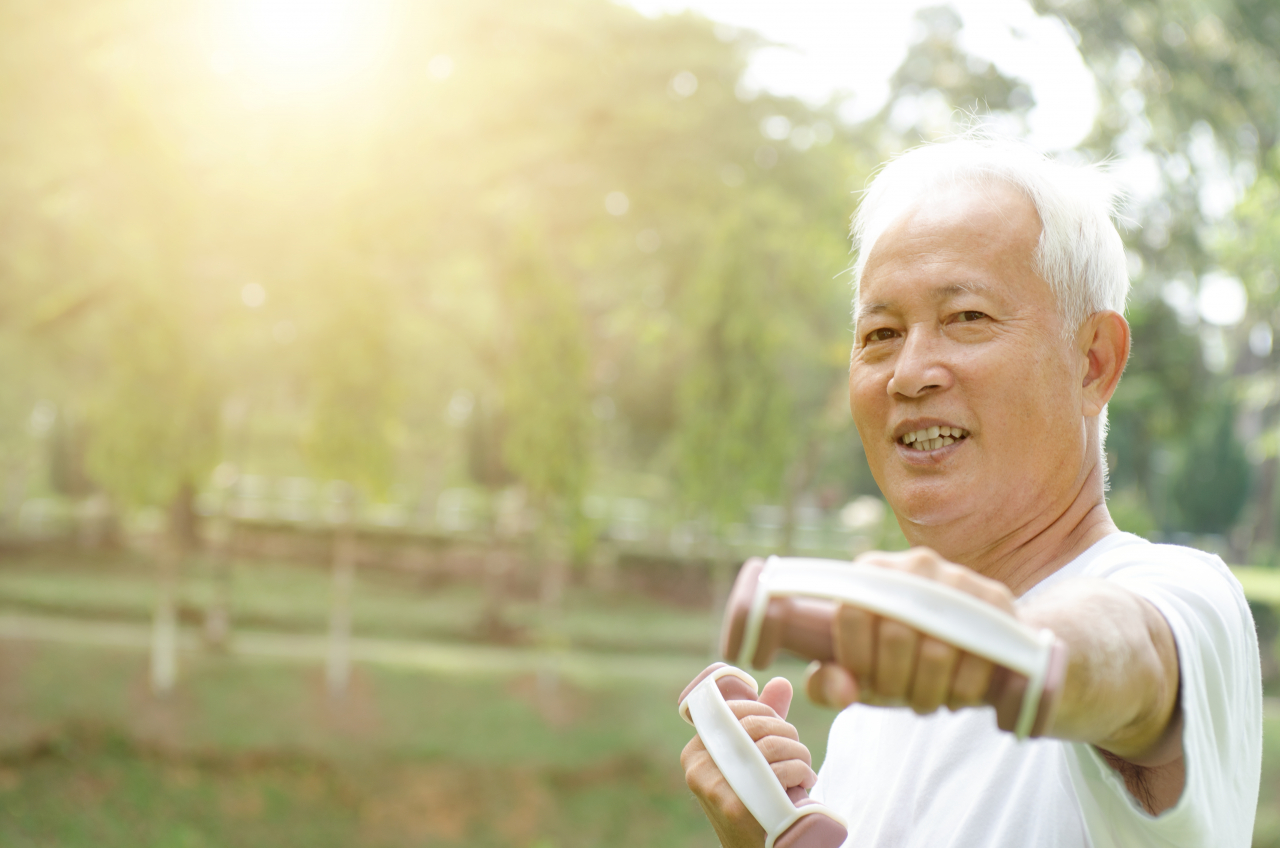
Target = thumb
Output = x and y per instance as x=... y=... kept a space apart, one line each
x=776 y=694
x=831 y=685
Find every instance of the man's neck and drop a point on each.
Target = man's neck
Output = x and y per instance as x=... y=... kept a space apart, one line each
x=1032 y=550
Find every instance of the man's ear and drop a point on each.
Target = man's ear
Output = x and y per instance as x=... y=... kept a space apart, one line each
x=1104 y=341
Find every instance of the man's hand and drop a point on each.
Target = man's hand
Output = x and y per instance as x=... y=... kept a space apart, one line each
x=764 y=721
x=886 y=663
x=1120 y=693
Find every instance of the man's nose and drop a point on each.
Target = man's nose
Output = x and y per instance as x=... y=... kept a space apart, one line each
x=919 y=367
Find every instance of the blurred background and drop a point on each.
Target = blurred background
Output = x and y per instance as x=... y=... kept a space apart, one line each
x=392 y=387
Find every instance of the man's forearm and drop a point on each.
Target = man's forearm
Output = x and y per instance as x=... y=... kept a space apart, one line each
x=1121 y=692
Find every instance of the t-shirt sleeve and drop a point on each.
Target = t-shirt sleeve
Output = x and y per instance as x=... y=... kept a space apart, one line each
x=1221 y=701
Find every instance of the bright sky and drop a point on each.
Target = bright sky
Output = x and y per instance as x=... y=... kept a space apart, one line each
x=850 y=48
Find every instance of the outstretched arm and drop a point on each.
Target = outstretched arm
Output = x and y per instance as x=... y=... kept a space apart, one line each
x=1121 y=691
x=1122 y=687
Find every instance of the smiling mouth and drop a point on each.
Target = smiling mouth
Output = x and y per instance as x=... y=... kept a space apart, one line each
x=932 y=438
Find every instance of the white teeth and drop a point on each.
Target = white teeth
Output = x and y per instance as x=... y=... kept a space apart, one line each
x=933 y=432
x=909 y=438
x=948 y=441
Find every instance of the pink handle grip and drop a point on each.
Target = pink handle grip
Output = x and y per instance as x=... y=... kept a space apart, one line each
x=804 y=627
x=811 y=831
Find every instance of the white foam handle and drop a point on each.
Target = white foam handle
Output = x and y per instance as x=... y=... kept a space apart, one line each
x=738 y=758
x=941 y=611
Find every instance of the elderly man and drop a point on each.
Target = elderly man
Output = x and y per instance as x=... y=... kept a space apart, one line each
x=989 y=338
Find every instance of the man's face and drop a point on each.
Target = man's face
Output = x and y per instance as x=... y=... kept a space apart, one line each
x=956 y=330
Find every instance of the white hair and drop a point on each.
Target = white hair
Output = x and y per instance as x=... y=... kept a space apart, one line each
x=1080 y=254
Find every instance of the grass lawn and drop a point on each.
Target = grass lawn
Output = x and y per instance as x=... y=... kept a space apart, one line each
x=255 y=754
x=252 y=752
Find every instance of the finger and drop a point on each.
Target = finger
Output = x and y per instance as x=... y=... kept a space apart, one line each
x=923 y=562
x=794 y=773
x=731 y=819
x=700 y=771
x=777 y=693
x=777 y=749
x=935 y=668
x=895 y=660
x=830 y=685
x=853 y=632
x=742 y=709
x=760 y=727
x=992 y=591
x=972 y=678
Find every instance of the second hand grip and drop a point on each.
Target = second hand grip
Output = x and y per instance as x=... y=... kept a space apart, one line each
x=789 y=817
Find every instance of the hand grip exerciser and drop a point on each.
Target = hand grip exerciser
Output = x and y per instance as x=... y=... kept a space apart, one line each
x=790 y=602
x=789 y=817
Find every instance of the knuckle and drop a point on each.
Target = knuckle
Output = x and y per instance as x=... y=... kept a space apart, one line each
x=772 y=748
x=923 y=562
x=761 y=727
x=749 y=709
x=691 y=751
x=791 y=772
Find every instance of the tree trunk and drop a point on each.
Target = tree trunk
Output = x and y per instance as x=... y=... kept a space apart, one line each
x=164 y=628
x=338 y=666
x=553 y=556
x=1264 y=523
x=604 y=568
x=217 y=617
x=15 y=492
x=498 y=562
x=179 y=537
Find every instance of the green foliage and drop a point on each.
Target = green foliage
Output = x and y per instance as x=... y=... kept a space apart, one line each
x=734 y=409
x=1131 y=514
x=546 y=443
x=154 y=417
x=352 y=383
x=1211 y=484
x=145 y=193
x=1252 y=248
x=1155 y=406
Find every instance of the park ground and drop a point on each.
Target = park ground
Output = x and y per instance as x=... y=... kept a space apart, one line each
x=439 y=740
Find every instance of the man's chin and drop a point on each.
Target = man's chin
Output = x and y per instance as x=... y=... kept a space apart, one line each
x=931 y=508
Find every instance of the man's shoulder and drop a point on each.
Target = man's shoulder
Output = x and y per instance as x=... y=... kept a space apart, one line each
x=1125 y=552
x=1155 y=569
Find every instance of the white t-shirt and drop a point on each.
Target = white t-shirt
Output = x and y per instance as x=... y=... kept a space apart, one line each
x=953 y=780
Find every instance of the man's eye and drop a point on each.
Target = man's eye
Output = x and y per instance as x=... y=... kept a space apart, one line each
x=971 y=315
x=883 y=334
